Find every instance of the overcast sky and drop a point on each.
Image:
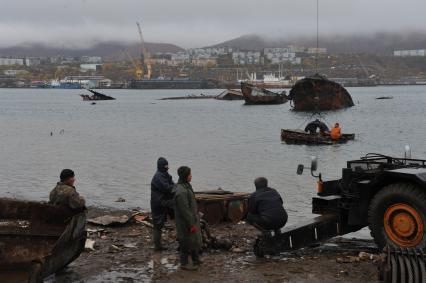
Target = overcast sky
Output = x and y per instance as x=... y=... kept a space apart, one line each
x=196 y=23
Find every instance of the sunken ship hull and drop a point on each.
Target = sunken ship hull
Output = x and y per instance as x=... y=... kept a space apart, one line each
x=96 y=96
x=317 y=93
x=255 y=96
x=38 y=239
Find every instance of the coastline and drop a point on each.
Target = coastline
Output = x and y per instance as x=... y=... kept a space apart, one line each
x=124 y=254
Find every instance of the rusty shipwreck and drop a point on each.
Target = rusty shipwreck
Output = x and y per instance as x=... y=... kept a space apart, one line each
x=254 y=95
x=38 y=239
x=96 y=96
x=317 y=93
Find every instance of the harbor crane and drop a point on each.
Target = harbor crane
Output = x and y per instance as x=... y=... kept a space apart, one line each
x=145 y=64
x=138 y=69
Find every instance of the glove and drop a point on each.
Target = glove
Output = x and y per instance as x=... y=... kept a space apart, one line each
x=193 y=229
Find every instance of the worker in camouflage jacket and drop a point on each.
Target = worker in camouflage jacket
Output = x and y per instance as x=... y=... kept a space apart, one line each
x=162 y=191
x=187 y=221
x=65 y=193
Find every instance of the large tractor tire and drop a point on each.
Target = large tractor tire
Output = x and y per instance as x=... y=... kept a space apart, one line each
x=397 y=216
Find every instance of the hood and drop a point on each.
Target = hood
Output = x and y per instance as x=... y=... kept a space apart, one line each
x=161 y=164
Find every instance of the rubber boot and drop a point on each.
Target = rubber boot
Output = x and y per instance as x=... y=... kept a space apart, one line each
x=196 y=258
x=184 y=262
x=157 y=240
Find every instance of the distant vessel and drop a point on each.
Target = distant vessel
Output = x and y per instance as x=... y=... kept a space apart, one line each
x=270 y=81
x=254 y=95
x=63 y=85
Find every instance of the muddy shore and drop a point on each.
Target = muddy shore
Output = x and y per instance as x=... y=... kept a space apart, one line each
x=124 y=254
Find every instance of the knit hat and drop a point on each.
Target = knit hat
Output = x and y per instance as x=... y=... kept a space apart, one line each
x=66 y=174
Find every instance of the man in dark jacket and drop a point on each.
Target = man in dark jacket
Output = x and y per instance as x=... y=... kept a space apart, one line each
x=317 y=124
x=65 y=193
x=265 y=208
x=161 y=199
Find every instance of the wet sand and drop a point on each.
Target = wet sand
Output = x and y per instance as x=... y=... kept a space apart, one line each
x=125 y=254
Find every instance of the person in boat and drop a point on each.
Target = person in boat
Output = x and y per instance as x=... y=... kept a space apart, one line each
x=335 y=132
x=65 y=193
x=313 y=126
x=162 y=190
x=187 y=221
x=265 y=208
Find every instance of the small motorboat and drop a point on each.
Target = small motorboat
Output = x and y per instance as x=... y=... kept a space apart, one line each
x=38 y=239
x=301 y=137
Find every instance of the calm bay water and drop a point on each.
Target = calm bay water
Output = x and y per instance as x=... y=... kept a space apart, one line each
x=113 y=146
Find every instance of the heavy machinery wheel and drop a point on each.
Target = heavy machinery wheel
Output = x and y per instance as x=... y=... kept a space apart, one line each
x=397 y=216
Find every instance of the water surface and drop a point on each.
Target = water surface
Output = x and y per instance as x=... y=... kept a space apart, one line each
x=113 y=145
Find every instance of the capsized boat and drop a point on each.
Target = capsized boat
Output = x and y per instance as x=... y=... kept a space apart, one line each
x=317 y=93
x=230 y=94
x=301 y=137
x=96 y=96
x=254 y=95
x=38 y=239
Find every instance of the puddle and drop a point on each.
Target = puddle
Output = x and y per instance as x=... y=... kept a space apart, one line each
x=123 y=274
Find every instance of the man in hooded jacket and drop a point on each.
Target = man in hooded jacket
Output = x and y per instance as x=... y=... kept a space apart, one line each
x=188 y=229
x=162 y=191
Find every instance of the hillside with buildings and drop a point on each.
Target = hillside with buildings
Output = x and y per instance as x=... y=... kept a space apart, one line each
x=388 y=61
x=377 y=43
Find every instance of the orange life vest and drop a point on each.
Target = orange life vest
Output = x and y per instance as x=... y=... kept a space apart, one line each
x=335 y=133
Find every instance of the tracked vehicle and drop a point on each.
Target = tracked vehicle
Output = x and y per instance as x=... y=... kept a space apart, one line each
x=387 y=194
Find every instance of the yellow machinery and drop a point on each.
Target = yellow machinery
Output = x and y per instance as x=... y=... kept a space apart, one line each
x=145 y=60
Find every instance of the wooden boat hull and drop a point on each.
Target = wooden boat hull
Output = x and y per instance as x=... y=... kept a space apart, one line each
x=258 y=96
x=301 y=137
x=319 y=94
x=222 y=206
x=38 y=239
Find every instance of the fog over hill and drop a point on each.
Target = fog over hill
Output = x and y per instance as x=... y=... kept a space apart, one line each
x=107 y=50
x=377 y=43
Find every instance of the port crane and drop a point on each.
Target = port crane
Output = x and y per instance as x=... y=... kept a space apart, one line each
x=145 y=64
x=138 y=69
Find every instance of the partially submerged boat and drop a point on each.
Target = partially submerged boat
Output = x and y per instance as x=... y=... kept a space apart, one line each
x=96 y=96
x=38 y=239
x=301 y=137
x=189 y=96
x=254 y=95
x=230 y=94
x=317 y=93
